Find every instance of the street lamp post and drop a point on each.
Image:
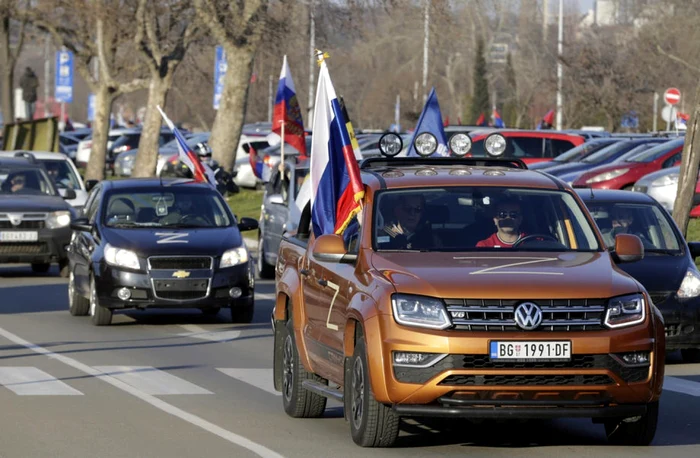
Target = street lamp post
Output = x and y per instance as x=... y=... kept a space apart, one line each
x=560 y=46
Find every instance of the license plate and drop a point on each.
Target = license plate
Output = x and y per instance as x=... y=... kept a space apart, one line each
x=19 y=236
x=530 y=350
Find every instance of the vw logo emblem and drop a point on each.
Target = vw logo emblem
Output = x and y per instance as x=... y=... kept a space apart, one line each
x=528 y=316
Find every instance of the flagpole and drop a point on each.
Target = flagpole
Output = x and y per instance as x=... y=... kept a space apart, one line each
x=282 y=148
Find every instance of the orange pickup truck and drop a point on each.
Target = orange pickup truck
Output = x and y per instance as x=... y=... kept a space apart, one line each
x=470 y=288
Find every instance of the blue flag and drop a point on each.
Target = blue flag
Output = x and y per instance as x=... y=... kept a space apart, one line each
x=431 y=121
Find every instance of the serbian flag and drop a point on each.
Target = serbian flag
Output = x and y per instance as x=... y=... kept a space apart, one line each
x=287 y=110
x=200 y=172
x=336 y=188
x=497 y=120
x=481 y=121
x=256 y=164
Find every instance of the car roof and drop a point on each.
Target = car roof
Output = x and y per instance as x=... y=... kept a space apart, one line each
x=416 y=173
x=40 y=155
x=150 y=183
x=614 y=195
x=13 y=162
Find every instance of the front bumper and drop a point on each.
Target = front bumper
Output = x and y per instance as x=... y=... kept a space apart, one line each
x=50 y=247
x=681 y=321
x=162 y=289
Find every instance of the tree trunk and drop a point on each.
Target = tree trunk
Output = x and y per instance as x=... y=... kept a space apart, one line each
x=147 y=157
x=100 y=132
x=8 y=68
x=228 y=124
x=688 y=176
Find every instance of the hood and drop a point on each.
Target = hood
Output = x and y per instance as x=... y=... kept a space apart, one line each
x=570 y=167
x=163 y=241
x=658 y=272
x=505 y=275
x=545 y=165
x=608 y=168
x=31 y=203
x=647 y=179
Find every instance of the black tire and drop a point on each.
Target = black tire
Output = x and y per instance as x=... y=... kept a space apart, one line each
x=372 y=424
x=691 y=355
x=41 y=267
x=242 y=313
x=77 y=304
x=263 y=269
x=640 y=432
x=298 y=402
x=101 y=316
x=211 y=311
x=64 y=268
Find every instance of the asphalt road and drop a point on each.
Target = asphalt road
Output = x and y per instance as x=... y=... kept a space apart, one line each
x=177 y=383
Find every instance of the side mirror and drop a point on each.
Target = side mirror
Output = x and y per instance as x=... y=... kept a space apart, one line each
x=629 y=248
x=247 y=224
x=81 y=225
x=694 y=249
x=68 y=194
x=330 y=248
x=276 y=199
x=89 y=184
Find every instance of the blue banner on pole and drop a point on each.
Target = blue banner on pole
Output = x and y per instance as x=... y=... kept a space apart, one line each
x=91 y=107
x=64 y=77
x=219 y=73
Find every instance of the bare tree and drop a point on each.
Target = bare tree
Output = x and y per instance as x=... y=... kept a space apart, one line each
x=164 y=32
x=9 y=26
x=102 y=32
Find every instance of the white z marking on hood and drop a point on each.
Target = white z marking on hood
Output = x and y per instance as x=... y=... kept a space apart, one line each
x=172 y=237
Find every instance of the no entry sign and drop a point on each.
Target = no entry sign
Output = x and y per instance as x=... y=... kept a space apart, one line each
x=672 y=96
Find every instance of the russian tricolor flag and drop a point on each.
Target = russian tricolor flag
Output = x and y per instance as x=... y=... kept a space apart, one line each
x=287 y=111
x=336 y=187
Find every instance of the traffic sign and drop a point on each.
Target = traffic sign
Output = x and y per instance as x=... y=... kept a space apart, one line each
x=219 y=72
x=669 y=113
x=672 y=96
x=64 y=77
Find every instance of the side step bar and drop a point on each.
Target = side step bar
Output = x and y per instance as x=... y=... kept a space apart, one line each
x=323 y=390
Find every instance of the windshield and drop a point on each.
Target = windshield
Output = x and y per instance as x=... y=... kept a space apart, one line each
x=476 y=218
x=25 y=181
x=609 y=152
x=656 y=152
x=176 y=208
x=583 y=150
x=647 y=221
x=62 y=174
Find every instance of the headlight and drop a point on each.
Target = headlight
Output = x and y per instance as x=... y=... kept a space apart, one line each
x=690 y=286
x=625 y=311
x=421 y=311
x=56 y=220
x=666 y=180
x=122 y=258
x=234 y=257
x=607 y=176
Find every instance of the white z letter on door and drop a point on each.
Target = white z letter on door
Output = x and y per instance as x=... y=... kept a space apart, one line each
x=335 y=288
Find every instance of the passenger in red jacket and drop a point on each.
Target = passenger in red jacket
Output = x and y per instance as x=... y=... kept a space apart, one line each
x=508 y=218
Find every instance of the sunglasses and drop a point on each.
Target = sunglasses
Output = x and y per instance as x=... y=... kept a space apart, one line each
x=505 y=214
x=412 y=210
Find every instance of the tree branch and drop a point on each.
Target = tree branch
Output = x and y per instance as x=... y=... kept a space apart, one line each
x=206 y=14
x=677 y=59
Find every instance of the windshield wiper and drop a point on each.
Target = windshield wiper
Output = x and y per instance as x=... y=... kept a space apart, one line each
x=184 y=225
x=661 y=251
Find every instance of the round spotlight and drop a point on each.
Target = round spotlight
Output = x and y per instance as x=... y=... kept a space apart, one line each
x=425 y=144
x=426 y=173
x=235 y=293
x=390 y=144
x=495 y=144
x=124 y=294
x=460 y=144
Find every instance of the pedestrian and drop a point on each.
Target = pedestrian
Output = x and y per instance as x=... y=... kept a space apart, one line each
x=29 y=84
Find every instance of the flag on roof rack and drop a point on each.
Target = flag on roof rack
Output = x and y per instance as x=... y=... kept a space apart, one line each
x=200 y=172
x=430 y=121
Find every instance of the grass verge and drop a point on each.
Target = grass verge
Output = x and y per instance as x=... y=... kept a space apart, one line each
x=246 y=203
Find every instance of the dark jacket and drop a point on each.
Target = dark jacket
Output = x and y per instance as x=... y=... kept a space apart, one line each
x=29 y=84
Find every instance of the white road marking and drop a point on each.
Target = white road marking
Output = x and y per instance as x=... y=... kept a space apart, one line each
x=225 y=434
x=30 y=381
x=680 y=385
x=259 y=378
x=197 y=332
x=152 y=381
x=265 y=296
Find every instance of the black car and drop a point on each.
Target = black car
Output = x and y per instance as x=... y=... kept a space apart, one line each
x=277 y=204
x=159 y=243
x=34 y=218
x=667 y=270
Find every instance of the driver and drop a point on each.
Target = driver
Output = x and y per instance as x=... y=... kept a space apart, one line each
x=17 y=182
x=184 y=210
x=507 y=219
x=53 y=169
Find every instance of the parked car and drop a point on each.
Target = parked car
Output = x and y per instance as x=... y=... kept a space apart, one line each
x=280 y=196
x=82 y=155
x=124 y=163
x=270 y=155
x=667 y=270
x=624 y=174
x=529 y=146
x=576 y=154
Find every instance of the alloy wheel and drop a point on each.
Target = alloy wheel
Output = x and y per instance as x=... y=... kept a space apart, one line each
x=358 y=393
x=288 y=368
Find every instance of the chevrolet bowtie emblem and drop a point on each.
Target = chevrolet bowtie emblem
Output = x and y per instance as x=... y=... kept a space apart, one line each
x=181 y=274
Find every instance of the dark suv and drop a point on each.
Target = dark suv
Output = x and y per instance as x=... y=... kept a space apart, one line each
x=34 y=218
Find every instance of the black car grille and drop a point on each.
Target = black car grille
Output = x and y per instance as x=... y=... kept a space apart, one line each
x=657 y=297
x=526 y=380
x=455 y=362
x=499 y=315
x=181 y=290
x=180 y=262
x=22 y=225
x=673 y=330
x=24 y=248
